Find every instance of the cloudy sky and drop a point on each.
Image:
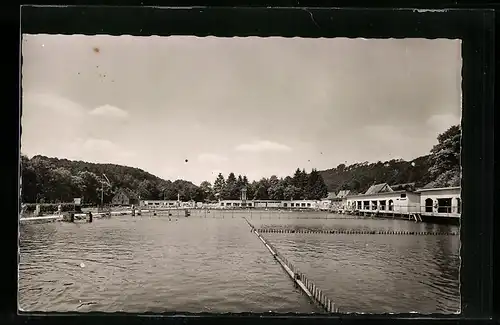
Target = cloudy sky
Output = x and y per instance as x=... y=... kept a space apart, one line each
x=255 y=106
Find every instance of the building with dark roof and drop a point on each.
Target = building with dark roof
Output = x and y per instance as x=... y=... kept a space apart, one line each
x=125 y=196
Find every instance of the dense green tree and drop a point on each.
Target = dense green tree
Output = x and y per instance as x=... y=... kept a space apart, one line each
x=239 y=182
x=291 y=192
x=445 y=159
x=54 y=180
x=231 y=190
x=219 y=185
x=60 y=180
x=252 y=190
x=29 y=181
x=316 y=188
x=276 y=188
x=208 y=192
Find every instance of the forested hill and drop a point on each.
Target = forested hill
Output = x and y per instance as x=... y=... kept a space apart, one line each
x=61 y=180
x=359 y=177
x=440 y=168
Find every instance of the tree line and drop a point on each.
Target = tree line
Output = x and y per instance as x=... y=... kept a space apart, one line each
x=302 y=185
x=439 y=168
x=53 y=180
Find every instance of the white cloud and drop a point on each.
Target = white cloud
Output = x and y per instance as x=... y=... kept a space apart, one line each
x=50 y=123
x=258 y=146
x=49 y=103
x=109 y=111
x=98 y=150
x=211 y=158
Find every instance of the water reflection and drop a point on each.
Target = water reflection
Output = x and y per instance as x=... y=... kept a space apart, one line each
x=379 y=274
x=151 y=264
x=216 y=264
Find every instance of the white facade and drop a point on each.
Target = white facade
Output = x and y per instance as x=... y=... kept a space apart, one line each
x=271 y=204
x=267 y=203
x=444 y=202
x=301 y=204
x=440 y=201
x=388 y=202
x=159 y=203
x=228 y=204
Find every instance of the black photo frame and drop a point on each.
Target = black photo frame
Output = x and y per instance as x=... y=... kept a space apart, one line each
x=474 y=27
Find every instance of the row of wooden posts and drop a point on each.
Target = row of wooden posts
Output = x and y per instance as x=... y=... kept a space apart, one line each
x=357 y=232
x=317 y=294
x=312 y=291
x=153 y=212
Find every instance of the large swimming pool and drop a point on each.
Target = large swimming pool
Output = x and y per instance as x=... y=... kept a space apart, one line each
x=211 y=262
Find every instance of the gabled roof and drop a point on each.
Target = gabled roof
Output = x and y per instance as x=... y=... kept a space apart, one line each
x=379 y=188
x=342 y=194
x=331 y=196
x=129 y=193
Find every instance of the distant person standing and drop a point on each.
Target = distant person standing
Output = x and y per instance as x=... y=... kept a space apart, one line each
x=59 y=209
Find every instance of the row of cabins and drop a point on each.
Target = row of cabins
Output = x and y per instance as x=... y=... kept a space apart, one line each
x=381 y=199
x=402 y=199
x=269 y=204
x=126 y=197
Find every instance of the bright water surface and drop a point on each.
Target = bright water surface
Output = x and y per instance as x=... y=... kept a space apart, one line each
x=213 y=263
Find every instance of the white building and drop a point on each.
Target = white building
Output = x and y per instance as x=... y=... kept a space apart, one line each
x=229 y=204
x=264 y=204
x=340 y=204
x=440 y=201
x=270 y=204
x=301 y=204
x=159 y=203
x=328 y=202
x=399 y=202
x=381 y=198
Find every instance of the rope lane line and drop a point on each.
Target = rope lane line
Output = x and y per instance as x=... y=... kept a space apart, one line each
x=357 y=232
x=301 y=281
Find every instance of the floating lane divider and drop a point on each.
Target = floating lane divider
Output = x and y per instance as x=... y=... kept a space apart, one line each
x=356 y=232
x=50 y=217
x=301 y=281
